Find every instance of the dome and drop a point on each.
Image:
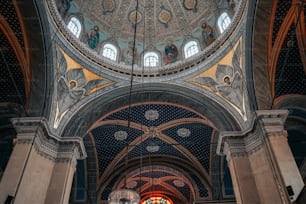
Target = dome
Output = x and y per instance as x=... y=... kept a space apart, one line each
x=171 y=36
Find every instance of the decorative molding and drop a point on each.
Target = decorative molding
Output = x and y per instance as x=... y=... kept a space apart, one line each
x=183 y=132
x=121 y=135
x=47 y=144
x=225 y=79
x=272 y=120
x=151 y=115
x=266 y=123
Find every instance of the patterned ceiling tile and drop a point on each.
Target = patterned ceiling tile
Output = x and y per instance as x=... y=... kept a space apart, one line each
x=198 y=143
x=193 y=137
x=282 y=9
x=106 y=144
x=201 y=187
x=11 y=78
x=290 y=77
x=185 y=190
x=109 y=188
x=164 y=149
x=166 y=113
x=156 y=174
x=7 y=9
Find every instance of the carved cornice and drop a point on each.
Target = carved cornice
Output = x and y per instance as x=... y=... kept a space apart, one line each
x=47 y=144
x=272 y=120
x=266 y=123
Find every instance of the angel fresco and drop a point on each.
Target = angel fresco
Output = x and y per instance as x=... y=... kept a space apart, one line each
x=228 y=80
x=72 y=85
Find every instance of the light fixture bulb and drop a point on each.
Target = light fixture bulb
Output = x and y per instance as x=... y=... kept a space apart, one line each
x=123 y=196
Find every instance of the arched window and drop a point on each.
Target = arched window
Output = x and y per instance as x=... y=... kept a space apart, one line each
x=150 y=59
x=191 y=48
x=110 y=52
x=75 y=26
x=223 y=22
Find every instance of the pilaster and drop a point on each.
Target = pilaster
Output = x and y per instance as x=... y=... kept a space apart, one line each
x=273 y=125
x=42 y=164
x=260 y=160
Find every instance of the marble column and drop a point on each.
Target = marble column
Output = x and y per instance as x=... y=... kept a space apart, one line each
x=260 y=161
x=41 y=166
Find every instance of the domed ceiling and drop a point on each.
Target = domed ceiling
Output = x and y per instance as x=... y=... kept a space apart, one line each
x=156 y=24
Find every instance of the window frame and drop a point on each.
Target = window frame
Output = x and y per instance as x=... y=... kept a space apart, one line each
x=76 y=23
x=110 y=51
x=151 y=55
x=189 y=48
x=224 y=21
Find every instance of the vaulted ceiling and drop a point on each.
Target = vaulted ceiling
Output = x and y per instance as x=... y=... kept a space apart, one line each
x=162 y=146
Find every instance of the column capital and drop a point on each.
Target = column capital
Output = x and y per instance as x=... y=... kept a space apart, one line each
x=272 y=121
x=265 y=123
x=46 y=143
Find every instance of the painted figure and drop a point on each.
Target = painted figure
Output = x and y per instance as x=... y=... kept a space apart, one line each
x=207 y=34
x=63 y=6
x=231 y=4
x=128 y=54
x=93 y=37
x=171 y=52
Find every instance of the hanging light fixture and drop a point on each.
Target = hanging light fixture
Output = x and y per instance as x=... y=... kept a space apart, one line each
x=127 y=196
x=124 y=196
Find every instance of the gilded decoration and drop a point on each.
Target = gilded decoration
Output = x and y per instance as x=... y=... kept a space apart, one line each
x=191 y=5
x=108 y=6
x=164 y=16
x=73 y=84
x=135 y=17
x=225 y=79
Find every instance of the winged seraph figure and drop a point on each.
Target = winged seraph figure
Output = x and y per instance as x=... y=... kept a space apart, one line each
x=72 y=85
x=228 y=80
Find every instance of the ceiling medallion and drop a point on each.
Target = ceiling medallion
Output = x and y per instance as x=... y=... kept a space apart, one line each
x=151 y=115
x=164 y=16
x=108 y=6
x=191 y=5
x=152 y=132
x=131 y=184
x=156 y=181
x=183 y=132
x=152 y=148
x=179 y=183
x=120 y=135
x=135 y=17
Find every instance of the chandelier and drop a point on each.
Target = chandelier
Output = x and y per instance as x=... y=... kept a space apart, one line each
x=123 y=196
